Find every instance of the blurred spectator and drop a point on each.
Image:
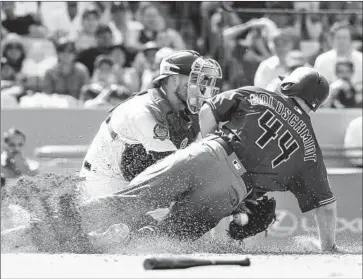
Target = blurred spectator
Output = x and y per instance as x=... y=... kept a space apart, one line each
x=343 y=93
x=67 y=77
x=342 y=49
x=63 y=19
x=103 y=74
x=150 y=50
x=324 y=46
x=127 y=75
x=353 y=142
x=308 y=26
x=105 y=9
x=245 y=46
x=214 y=21
x=219 y=21
x=8 y=72
x=207 y=8
x=189 y=35
x=151 y=73
x=73 y=21
x=10 y=89
x=231 y=53
x=306 y=6
x=72 y=9
x=14 y=51
x=143 y=62
x=340 y=5
x=125 y=30
x=257 y=51
x=13 y=163
x=281 y=44
x=29 y=24
x=294 y=60
x=104 y=43
x=86 y=36
x=281 y=20
x=357 y=25
x=155 y=29
x=105 y=88
x=249 y=5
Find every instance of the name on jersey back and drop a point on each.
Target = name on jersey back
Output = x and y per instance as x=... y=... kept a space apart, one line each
x=292 y=119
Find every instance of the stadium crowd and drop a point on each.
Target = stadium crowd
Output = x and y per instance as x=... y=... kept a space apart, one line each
x=92 y=54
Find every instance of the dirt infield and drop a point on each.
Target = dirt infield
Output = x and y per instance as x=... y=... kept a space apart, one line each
x=120 y=266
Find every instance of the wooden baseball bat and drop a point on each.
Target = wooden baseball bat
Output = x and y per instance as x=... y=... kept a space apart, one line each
x=177 y=263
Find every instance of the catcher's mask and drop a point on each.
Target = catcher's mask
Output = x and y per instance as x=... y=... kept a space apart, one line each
x=202 y=82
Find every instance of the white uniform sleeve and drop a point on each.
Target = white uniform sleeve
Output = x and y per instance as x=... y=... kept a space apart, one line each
x=153 y=136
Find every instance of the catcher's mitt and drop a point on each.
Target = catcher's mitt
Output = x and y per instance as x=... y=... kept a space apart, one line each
x=262 y=215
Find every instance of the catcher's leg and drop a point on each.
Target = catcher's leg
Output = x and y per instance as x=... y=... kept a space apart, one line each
x=95 y=186
x=217 y=189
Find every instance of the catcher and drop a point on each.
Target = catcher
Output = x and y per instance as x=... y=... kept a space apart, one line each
x=148 y=126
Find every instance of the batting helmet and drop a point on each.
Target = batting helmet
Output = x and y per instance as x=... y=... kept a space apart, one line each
x=306 y=83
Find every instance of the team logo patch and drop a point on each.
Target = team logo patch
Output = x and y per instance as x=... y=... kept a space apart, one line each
x=161 y=132
x=184 y=143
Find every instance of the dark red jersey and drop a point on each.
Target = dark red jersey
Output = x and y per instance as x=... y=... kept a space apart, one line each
x=274 y=139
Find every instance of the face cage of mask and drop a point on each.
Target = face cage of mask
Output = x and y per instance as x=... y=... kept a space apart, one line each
x=201 y=84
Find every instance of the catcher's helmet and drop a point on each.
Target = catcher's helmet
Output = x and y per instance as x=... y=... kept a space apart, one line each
x=203 y=75
x=306 y=83
x=177 y=63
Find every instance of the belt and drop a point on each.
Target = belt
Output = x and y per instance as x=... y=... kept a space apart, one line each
x=225 y=145
x=229 y=150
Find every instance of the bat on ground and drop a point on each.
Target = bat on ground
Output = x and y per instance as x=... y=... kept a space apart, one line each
x=177 y=263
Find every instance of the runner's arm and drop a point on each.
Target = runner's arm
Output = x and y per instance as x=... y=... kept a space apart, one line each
x=207 y=121
x=325 y=217
x=313 y=192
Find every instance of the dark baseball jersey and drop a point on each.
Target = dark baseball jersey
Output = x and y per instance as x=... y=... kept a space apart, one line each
x=274 y=139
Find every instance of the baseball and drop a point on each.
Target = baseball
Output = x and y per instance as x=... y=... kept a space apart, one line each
x=240 y=219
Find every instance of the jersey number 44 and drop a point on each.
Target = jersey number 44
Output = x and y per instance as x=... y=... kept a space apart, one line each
x=272 y=130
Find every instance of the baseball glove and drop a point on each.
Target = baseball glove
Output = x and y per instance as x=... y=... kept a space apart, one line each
x=262 y=214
